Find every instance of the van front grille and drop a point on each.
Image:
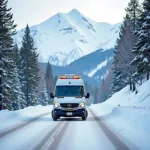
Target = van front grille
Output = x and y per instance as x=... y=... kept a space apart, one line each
x=69 y=105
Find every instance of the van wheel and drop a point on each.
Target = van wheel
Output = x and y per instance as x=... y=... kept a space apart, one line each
x=86 y=113
x=85 y=116
x=53 y=116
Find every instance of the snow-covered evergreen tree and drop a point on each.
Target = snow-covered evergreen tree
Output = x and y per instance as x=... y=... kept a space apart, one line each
x=95 y=95
x=142 y=49
x=18 y=99
x=7 y=30
x=29 y=69
x=49 y=81
x=44 y=97
x=55 y=80
x=134 y=12
x=123 y=69
x=119 y=81
x=16 y=55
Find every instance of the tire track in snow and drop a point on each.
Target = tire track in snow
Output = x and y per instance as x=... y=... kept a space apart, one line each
x=52 y=139
x=111 y=136
x=20 y=126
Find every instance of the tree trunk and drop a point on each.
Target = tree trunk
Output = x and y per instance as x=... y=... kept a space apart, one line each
x=27 y=94
x=0 y=107
x=141 y=81
x=130 y=86
x=147 y=75
x=134 y=87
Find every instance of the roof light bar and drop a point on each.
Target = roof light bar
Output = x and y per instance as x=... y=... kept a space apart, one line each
x=76 y=77
x=63 y=77
x=70 y=76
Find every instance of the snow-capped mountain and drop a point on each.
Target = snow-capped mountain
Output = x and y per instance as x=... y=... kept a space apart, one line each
x=95 y=64
x=92 y=67
x=66 y=37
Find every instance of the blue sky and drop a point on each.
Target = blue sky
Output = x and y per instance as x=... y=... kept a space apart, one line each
x=36 y=11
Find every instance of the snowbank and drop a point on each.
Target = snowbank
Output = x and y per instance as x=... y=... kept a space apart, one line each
x=127 y=98
x=11 y=118
x=129 y=114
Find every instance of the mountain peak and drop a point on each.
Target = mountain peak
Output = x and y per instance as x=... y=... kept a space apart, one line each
x=74 y=11
x=72 y=33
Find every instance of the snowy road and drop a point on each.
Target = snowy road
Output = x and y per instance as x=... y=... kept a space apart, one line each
x=69 y=134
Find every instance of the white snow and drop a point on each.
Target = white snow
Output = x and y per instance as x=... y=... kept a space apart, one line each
x=85 y=135
x=100 y=66
x=78 y=135
x=71 y=35
x=27 y=137
x=145 y=60
x=128 y=114
x=11 y=118
x=147 y=17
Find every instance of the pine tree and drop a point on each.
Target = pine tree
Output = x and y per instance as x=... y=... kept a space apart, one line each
x=18 y=99
x=134 y=11
x=123 y=69
x=7 y=30
x=95 y=95
x=119 y=81
x=142 y=49
x=29 y=69
x=49 y=80
x=44 y=97
x=103 y=92
x=49 y=73
x=124 y=55
x=16 y=55
x=55 y=80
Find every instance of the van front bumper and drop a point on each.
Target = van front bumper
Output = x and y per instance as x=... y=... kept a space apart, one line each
x=62 y=113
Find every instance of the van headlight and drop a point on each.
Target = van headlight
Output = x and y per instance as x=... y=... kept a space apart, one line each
x=82 y=105
x=56 y=105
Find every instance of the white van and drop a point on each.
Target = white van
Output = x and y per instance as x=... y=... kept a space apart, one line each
x=69 y=98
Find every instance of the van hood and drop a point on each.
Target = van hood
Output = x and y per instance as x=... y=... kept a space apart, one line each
x=69 y=100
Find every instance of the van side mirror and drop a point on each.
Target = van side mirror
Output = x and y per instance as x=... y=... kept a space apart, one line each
x=51 y=95
x=88 y=95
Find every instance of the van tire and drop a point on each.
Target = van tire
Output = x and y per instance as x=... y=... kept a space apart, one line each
x=53 y=116
x=85 y=116
x=86 y=113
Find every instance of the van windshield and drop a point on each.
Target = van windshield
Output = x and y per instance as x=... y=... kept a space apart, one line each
x=69 y=91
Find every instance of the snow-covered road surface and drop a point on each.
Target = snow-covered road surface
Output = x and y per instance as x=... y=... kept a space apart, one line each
x=21 y=125
x=69 y=134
